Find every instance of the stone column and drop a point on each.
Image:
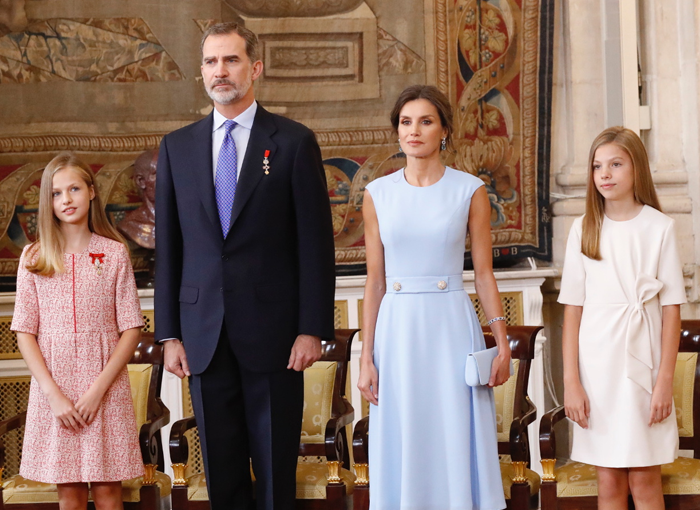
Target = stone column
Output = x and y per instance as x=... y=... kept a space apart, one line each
x=578 y=115
x=578 y=108
x=669 y=72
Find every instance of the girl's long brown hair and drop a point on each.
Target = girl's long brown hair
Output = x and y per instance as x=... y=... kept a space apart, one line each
x=644 y=192
x=49 y=245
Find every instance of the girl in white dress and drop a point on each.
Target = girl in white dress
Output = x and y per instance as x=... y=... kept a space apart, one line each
x=622 y=286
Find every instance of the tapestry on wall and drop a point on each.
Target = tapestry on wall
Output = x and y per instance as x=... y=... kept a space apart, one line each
x=494 y=61
x=499 y=77
x=337 y=68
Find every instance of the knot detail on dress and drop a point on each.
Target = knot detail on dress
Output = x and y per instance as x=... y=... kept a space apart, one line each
x=638 y=361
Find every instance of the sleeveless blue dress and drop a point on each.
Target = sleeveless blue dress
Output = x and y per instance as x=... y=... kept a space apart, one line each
x=432 y=438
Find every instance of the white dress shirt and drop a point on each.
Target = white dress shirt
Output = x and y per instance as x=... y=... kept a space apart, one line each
x=240 y=134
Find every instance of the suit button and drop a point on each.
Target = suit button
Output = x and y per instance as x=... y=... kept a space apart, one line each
x=221 y=289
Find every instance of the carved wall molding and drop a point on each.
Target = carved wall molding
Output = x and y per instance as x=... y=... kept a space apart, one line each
x=138 y=143
x=301 y=58
x=443 y=49
x=292 y=8
x=83 y=143
x=348 y=137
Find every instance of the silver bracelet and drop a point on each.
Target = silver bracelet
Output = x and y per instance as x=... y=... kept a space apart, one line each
x=495 y=319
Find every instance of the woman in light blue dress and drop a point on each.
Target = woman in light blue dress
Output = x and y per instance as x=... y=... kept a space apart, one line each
x=432 y=438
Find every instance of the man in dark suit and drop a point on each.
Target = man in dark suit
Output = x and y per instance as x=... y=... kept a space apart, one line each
x=244 y=275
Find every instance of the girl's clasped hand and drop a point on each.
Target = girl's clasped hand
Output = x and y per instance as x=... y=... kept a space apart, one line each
x=66 y=413
x=75 y=416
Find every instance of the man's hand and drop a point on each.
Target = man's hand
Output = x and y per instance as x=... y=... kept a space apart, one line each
x=175 y=359
x=305 y=352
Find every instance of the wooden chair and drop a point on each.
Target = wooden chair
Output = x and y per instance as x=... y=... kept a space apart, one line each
x=514 y=412
x=143 y=493
x=573 y=485
x=327 y=413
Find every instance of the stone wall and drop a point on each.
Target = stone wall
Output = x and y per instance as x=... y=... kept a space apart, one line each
x=669 y=37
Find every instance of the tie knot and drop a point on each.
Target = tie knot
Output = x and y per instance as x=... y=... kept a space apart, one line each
x=229 y=125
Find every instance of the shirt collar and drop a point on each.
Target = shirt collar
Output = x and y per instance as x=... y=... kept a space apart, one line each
x=245 y=119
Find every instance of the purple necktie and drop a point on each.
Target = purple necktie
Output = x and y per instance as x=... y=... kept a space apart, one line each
x=226 y=177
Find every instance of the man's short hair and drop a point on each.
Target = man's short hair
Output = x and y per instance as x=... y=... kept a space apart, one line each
x=251 y=40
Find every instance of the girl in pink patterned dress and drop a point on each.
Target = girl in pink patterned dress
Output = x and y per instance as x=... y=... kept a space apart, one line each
x=78 y=321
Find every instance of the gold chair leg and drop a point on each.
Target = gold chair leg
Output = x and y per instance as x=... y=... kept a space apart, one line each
x=519 y=469
x=149 y=478
x=548 y=470
x=362 y=474
x=334 y=471
x=179 y=474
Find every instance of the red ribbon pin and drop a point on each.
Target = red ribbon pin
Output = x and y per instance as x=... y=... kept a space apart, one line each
x=97 y=261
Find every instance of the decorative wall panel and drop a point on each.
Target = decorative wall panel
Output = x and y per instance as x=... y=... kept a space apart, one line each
x=324 y=57
x=340 y=314
x=8 y=340
x=14 y=395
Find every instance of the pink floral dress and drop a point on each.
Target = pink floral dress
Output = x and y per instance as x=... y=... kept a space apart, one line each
x=77 y=317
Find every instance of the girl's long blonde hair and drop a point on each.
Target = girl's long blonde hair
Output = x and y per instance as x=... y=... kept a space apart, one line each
x=50 y=242
x=644 y=192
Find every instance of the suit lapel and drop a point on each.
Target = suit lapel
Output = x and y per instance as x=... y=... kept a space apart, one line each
x=204 y=175
x=252 y=169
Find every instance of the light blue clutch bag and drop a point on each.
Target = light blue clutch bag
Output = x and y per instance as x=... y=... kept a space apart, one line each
x=477 y=371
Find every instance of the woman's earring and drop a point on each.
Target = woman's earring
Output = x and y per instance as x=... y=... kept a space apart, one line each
x=400 y=149
x=443 y=145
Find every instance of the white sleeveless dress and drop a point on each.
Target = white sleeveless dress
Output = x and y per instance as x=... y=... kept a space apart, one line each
x=432 y=438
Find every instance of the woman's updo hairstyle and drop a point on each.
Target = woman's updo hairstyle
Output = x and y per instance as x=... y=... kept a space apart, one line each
x=436 y=98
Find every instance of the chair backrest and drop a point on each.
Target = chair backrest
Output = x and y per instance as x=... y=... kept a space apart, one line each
x=336 y=352
x=146 y=377
x=686 y=387
x=148 y=354
x=339 y=351
x=325 y=384
x=512 y=400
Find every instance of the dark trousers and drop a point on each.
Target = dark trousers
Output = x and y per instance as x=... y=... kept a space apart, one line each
x=243 y=415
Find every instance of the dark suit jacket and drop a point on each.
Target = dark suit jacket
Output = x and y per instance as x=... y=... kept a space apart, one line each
x=273 y=277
